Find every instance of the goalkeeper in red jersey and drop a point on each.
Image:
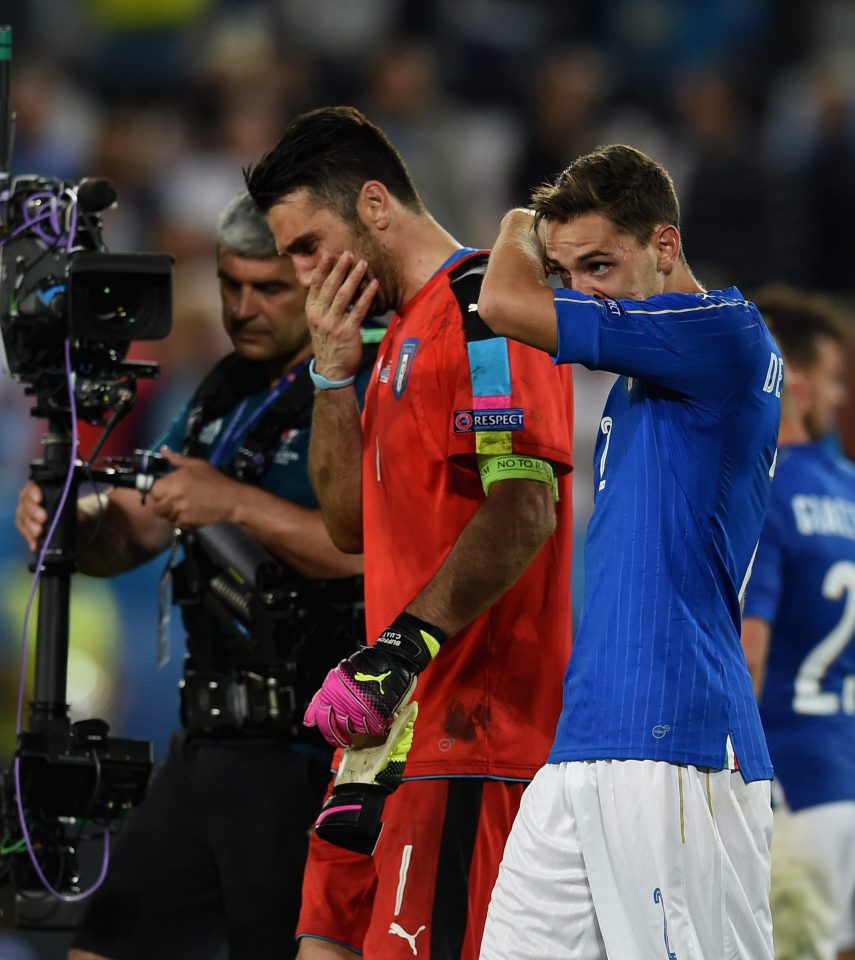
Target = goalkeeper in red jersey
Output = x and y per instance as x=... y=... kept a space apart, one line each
x=455 y=480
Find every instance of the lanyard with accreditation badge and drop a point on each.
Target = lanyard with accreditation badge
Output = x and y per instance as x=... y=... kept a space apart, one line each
x=230 y=434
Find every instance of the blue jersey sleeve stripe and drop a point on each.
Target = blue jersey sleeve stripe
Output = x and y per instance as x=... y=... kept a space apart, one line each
x=631 y=306
x=490 y=367
x=688 y=343
x=673 y=312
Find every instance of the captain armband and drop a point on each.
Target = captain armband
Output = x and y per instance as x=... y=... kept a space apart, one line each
x=513 y=466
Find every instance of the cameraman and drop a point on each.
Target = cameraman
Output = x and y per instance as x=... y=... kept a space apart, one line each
x=214 y=855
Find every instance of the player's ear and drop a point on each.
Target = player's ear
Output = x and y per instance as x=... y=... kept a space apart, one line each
x=666 y=239
x=795 y=398
x=374 y=205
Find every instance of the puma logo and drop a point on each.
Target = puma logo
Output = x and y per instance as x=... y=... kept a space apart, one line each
x=399 y=931
x=372 y=678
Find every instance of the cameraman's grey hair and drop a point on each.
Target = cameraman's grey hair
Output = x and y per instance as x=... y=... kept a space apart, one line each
x=243 y=229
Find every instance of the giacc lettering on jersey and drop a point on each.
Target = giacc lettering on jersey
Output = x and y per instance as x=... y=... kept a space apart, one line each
x=824 y=516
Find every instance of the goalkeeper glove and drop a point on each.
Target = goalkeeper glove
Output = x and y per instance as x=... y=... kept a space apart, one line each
x=364 y=692
x=367 y=775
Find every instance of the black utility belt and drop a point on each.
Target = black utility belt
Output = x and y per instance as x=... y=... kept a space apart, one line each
x=240 y=701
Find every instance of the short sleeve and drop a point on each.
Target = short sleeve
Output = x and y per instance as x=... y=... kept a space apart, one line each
x=694 y=344
x=510 y=398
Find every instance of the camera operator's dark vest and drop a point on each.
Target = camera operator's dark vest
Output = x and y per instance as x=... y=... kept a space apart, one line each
x=325 y=623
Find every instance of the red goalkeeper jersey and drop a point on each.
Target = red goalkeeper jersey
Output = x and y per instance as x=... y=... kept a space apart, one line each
x=444 y=389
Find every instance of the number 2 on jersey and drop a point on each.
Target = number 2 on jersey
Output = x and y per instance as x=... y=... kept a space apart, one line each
x=606 y=429
x=809 y=696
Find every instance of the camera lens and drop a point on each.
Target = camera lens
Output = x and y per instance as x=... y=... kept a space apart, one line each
x=115 y=302
x=116 y=297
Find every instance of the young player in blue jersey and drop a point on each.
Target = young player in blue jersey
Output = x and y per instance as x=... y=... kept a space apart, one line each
x=799 y=621
x=639 y=838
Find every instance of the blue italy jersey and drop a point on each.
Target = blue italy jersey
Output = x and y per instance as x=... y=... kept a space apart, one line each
x=803 y=586
x=683 y=467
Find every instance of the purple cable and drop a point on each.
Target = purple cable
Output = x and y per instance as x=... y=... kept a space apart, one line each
x=105 y=861
x=51 y=214
x=65 y=897
x=28 y=225
x=32 y=223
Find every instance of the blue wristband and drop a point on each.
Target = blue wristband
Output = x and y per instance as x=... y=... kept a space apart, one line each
x=324 y=383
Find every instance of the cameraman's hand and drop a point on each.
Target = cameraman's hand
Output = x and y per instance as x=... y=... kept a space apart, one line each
x=195 y=493
x=30 y=515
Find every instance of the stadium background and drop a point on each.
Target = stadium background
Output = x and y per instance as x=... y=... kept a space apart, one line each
x=749 y=103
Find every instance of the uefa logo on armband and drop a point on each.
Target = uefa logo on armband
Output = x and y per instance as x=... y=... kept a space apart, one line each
x=463 y=421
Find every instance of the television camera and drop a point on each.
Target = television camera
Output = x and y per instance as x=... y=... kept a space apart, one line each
x=69 y=310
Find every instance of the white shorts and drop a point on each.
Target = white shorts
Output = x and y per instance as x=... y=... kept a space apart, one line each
x=634 y=860
x=813 y=881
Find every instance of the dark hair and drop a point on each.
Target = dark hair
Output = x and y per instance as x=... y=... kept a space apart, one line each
x=331 y=151
x=623 y=184
x=797 y=319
